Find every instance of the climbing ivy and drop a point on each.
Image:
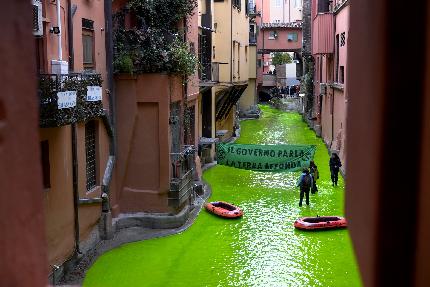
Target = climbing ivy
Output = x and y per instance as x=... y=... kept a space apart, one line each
x=308 y=83
x=154 y=43
x=50 y=85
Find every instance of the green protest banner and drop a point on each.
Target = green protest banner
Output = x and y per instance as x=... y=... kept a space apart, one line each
x=265 y=157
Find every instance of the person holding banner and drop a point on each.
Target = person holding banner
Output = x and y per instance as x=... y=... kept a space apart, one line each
x=305 y=183
x=334 y=164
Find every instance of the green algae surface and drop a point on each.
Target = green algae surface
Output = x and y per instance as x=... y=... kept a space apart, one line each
x=260 y=249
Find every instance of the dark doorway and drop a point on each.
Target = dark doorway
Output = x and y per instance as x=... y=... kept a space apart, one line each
x=207 y=114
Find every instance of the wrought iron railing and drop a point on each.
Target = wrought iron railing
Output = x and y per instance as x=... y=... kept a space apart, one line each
x=182 y=162
x=252 y=38
x=54 y=112
x=209 y=72
x=252 y=10
x=182 y=175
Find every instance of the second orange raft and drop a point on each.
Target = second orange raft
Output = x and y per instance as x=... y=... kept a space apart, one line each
x=224 y=209
x=320 y=222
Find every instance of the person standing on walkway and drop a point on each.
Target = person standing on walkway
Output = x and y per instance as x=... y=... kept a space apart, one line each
x=335 y=164
x=313 y=170
x=305 y=184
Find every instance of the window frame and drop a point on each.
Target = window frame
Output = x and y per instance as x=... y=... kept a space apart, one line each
x=88 y=32
x=274 y=36
x=295 y=37
x=46 y=165
x=90 y=186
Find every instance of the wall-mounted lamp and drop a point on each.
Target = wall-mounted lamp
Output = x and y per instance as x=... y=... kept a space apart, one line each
x=55 y=30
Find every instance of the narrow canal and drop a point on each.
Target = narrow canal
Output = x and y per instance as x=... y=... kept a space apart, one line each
x=262 y=248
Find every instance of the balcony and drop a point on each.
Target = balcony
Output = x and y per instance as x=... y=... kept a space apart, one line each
x=252 y=11
x=69 y=98
x=209 y=74
x=323 y=34
x=252 y=38
x=181 y=183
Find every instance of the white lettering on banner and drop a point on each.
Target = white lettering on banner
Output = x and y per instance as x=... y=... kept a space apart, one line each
x=94 y=93
x=66 y=99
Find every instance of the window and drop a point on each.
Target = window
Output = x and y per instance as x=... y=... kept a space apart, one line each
x=323 y=6
x=337 y=58
x=88 y=44
x=46 y=168
x=273 y=35
x=342 y=74
x=277 y=3
x=246 y=53
x=237 y=4
x=238 y=61
x=259 y=63
x=342 y=39
x=297 y=3
x=90 y=152
x=292 y=37
x=233 y=68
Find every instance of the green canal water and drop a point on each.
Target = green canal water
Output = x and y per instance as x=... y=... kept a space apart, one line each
x=262 y=248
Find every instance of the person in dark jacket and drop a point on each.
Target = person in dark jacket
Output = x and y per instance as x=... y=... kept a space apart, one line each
x=335 y=164
x=313 y=170
x=305 y=184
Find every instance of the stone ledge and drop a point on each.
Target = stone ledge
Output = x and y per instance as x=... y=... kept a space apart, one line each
x=151 y=220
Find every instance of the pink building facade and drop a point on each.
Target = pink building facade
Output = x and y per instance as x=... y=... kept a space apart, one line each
x=279 y=29
x=330 y=33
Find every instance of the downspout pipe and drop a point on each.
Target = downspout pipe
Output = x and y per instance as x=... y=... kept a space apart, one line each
x=74 y=133
x=60 y=50
x=231 y=41
x=70 y=35
x=75 y=188
x=109 y=121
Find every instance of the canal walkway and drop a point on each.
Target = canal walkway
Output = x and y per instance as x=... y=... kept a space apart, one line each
x=262 y=248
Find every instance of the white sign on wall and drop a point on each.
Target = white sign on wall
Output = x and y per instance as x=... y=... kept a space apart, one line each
x=94 y=93
x=66 y=99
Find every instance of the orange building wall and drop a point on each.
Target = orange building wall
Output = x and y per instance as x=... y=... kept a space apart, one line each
x=143 y=161
x=59 y=200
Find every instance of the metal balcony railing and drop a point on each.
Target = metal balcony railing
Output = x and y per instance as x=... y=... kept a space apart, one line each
x=69 y=98
x=209 y=72
x=183 y=162
x=252 y=11
x=182 y=174
x=252 y=38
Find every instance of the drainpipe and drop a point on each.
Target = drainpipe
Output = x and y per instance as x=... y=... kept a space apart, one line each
x=231 y=42
x=74 y=136
x=70 y=35
x=332 y=116
x=109 y=122
x=289 y=11
x=283 y=12
x=60 y=51
x=75 y=188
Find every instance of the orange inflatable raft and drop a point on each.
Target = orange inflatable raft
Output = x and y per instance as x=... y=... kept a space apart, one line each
x=224 y=209
x=320 y=222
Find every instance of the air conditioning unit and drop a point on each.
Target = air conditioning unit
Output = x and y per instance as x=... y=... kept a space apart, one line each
x=37 y=18
x=323 y=88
